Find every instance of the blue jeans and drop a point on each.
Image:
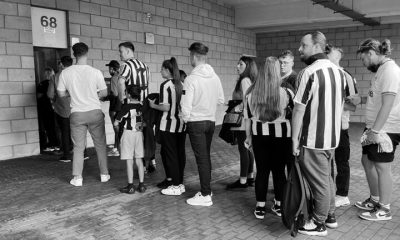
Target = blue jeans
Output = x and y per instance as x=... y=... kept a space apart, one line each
x=200 y=135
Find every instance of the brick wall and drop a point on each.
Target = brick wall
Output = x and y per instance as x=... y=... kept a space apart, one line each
x=103 y=24
x=272 y=44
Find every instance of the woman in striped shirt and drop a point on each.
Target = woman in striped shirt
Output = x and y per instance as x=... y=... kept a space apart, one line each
x=172 y=128
x=247 y=70
x=268 y=132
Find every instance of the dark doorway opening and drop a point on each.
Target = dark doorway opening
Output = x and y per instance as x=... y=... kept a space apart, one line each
x=46 y=59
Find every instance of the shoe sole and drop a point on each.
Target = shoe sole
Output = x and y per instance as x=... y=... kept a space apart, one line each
x=375 y=219
x=276 y=213
x=363 y=208
x=259 y=217
x=325 y=233
x=166 y=194
x=332 y=225
x=204 y=205
x=343 y=205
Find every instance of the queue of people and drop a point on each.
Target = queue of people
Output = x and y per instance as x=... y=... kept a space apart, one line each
x=287 y=117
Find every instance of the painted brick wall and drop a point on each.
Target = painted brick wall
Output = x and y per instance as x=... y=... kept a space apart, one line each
x=272 y=44
x=103 y=24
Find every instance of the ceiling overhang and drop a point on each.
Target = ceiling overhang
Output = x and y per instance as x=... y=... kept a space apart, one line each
x=283 y=15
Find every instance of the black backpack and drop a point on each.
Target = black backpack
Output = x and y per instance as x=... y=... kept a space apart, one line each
x=297 y=199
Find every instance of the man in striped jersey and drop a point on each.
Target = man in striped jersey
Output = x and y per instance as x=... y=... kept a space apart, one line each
x=132 y=72
x=316 y=128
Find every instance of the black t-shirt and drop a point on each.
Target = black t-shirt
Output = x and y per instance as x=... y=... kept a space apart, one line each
x=290 y=82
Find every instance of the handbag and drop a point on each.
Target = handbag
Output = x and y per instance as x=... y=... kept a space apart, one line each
x=233 y=119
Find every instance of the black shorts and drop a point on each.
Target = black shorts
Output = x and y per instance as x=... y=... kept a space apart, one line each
x=372 y=150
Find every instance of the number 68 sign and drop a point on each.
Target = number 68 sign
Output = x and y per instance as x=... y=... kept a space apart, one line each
x=49 y=28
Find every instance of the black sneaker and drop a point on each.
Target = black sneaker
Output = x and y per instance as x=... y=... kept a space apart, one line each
x=276 y=209
x=250 y=182
x=330 y=221
x=236 y=184
x=141 y=188
x=130 y=189
x=313 y=228
x=164 y=184
x=151 y=168
x=259 y=212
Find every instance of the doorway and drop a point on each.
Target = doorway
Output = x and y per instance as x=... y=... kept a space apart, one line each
x=46 y=60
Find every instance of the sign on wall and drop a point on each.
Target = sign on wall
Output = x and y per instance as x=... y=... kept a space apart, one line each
x=49 y=28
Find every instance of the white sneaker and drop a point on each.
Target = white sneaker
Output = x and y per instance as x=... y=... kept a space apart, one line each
x=77 y=182
x=172 y=190
x=183 y=189
x=341 y=201
x=104 y=177
x=113 y=152
x=200 y=200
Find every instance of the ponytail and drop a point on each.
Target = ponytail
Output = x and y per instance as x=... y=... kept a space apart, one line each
x=172 y=67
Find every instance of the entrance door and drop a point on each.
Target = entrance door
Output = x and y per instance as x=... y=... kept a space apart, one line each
x=45 y=59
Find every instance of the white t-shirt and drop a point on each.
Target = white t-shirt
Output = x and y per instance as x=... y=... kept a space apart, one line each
x=82 y=82
x=386 y=81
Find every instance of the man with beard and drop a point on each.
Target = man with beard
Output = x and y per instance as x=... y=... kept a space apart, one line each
x=316 y=128
x=382 y=117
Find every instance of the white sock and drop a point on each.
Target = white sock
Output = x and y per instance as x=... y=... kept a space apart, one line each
x=260 y=204
x=250 y=175
x=375 y=198
x=243 y=180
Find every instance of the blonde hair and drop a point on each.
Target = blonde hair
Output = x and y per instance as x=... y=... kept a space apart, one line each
x=265 y=92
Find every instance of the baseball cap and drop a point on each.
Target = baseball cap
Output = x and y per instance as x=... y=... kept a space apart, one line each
x=113 y=64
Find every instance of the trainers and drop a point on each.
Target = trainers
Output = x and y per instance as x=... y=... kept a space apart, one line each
x=64 y=159
x=236 y=184
x=368 y=204
x=129 y=189
x=77 y=182
x=259 y=212
x=330 y=221
x=48 y=149
x=341 y=201
x=183 y=189
x=104 y=177
x=172 y=190
x=141 y=188
x=276 y=209
x=379 y=213
x=200 y=200
x=164 y=184
x=313 y=228
x=113 y=153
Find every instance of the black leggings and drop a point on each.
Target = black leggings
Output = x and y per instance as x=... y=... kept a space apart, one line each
x=246 y=157
x=271 y=154
x=173 y=155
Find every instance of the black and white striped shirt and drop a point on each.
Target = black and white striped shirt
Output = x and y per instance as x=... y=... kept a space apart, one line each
x=131 y=116
x=171 y=121
x=279 y=128
x=136 y=73
x=322 y=92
